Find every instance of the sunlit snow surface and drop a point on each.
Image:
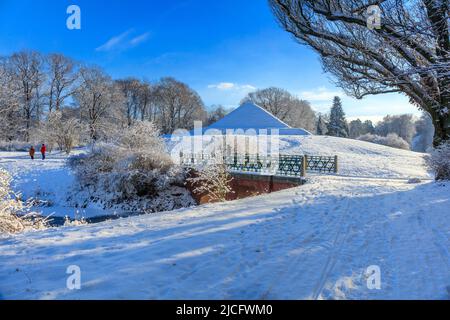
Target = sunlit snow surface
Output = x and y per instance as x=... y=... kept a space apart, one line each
x=310 y=242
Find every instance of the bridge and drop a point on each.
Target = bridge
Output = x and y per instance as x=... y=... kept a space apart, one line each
x=258 y=174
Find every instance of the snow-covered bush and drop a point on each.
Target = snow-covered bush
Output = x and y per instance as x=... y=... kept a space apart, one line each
x=12 y=209
x=134 y=173
x=439 y=161
x=212 y=180
x=391 y=140
x=14 y=145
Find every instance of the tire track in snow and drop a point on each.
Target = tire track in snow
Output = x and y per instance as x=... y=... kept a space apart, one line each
x=294 y=263
x=336 y=248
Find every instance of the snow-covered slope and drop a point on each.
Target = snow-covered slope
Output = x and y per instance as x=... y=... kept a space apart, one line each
x=49 y=181
x=356 y=158
x=311 y=242
x=360 y=158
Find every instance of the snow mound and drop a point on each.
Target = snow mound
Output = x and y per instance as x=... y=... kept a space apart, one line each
x=360 y=158
x=356 y=158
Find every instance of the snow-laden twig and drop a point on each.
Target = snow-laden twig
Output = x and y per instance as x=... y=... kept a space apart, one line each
x=12 y=219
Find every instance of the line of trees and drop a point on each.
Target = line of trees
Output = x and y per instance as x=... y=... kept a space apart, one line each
x=54 y=99
x=57 y=100
x=403 y=131
x=34 y=86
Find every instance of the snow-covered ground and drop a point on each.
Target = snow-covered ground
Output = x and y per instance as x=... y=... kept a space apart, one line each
x=356 y=158
x=360 y=158
x=311 y=242
x=49 y=181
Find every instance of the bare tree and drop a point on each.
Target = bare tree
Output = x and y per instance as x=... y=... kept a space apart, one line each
x=439 y=161
x=27 y=75
x=62 y=77
x=215 y=114
x=402 y=125
x=65 y=132
x=284 y=106
x=130 y=88
x=358 y=128
x=275 y=100
x=391 y=140
x=302 y=115
x=9 y=104
x=423 y=140
x=409 y=53
x=178 y=105
x=100 y=101
x=145 y=97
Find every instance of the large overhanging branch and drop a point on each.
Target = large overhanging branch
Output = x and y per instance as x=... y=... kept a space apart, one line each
x=402 y=59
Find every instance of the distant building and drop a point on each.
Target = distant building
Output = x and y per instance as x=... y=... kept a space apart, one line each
x=251 y=117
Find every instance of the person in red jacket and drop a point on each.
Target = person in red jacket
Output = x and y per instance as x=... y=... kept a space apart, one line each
x=43 y=150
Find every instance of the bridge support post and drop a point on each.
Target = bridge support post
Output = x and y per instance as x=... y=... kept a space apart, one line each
x=336 y=167
x=303 y=174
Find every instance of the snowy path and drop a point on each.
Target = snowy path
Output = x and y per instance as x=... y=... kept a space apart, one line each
x=311 y=242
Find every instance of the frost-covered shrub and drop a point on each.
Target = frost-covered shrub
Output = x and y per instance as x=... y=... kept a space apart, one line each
x=391 y=140
x=12 y=209
x=14 y=145
x=65 y=133
x=134 y=172
x=212 y=180
x=439 y=161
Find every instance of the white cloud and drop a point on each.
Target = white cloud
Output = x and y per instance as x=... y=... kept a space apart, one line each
x=140 y=39
x=231 y=86
x=123 y=41
x=114 y=41
x=248 y=87
x=222 y=86
x=320 y=94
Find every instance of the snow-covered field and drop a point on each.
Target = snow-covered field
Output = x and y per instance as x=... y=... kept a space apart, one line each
x=310 y=242
x=49 y=181
x=356 y=158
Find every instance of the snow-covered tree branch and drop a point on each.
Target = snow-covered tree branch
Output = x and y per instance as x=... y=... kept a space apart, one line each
x=409 y=53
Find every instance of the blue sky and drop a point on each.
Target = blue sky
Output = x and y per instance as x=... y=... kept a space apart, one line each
x=222 y=49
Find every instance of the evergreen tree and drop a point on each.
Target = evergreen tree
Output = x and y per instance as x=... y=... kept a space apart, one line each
x=337 y=126
x=321 y=128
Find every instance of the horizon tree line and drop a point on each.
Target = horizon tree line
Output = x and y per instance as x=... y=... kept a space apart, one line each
x=86 y=100
x=404 y=130
x=33 y=86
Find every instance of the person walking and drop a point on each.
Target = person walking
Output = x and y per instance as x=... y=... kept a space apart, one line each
x=43 y=150
x=32 y=152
